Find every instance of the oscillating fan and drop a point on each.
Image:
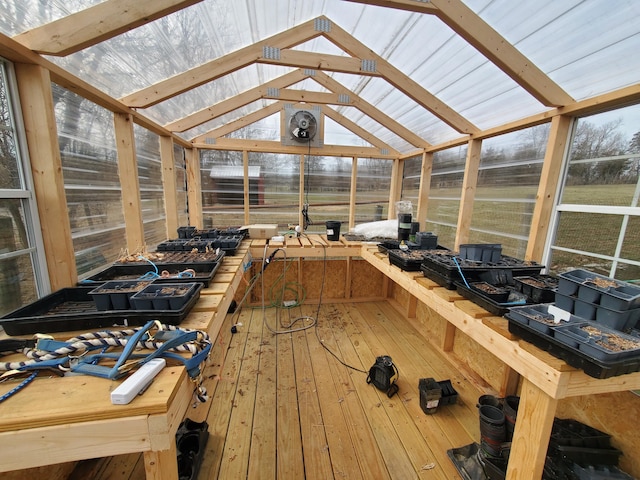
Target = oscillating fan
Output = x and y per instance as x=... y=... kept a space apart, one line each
x=303 y=126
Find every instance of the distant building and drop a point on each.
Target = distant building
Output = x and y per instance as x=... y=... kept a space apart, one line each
x=226 y=186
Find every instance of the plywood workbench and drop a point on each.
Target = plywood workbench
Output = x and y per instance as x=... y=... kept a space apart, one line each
x=55 y=420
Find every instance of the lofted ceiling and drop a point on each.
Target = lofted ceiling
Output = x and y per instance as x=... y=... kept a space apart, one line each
x=396 y=75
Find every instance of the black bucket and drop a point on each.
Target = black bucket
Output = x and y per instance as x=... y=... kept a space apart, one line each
x=492 y=429
x=489 y=400
x=404 y=226
x=333 y=230
x=510 y=413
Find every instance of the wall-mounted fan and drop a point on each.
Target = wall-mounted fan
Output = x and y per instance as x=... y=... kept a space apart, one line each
x=301 y=126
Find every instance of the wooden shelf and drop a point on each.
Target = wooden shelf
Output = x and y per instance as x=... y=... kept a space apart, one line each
x=546 y=379
x=72 y=418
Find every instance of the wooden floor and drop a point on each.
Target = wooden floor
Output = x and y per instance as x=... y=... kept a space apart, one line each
x=282 y=407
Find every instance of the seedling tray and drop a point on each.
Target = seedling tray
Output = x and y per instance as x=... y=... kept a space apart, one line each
x=409 y=260
x=204 y=273
x=538 y=317
x=181 y=258
x=573 y=356
x=164 y=296
x=539 y=288
x=227 y=243
x=515 y=298
x=616 y=319
x=598 y=289
x=445 y=265
x=115 y=294
x=71 y=309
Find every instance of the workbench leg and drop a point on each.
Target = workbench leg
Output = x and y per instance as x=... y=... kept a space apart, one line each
x=532 y=431
x=161 y=465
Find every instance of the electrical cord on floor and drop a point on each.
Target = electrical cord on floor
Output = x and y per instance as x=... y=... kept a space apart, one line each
x=324 y=274
x=284 y=328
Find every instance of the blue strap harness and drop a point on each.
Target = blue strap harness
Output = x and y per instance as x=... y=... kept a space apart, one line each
x=164 y=343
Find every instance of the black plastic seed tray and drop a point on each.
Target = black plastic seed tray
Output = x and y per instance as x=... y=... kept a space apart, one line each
x=71 y=309
x=175 y=273
x=181 y=258
x=227 y=243
x=515 y=298
x=449 y=266
x=409 y=260
x=539 y=288
x=573 y=356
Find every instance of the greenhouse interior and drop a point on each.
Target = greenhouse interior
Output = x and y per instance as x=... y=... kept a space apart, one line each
x=329 y=239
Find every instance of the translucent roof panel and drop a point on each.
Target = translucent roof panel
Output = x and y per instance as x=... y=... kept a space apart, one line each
x=587 y=47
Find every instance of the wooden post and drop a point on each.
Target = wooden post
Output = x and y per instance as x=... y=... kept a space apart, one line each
x=194 y=187
x=353 y=196
x=128 y=174
x=536 y=411
x=469 y=185
x=425 y=187
x=169 y=186
x=549 y=178
x=34 y=85
x=247 y=185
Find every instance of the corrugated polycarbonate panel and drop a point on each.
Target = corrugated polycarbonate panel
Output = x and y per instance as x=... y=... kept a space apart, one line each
x=588 y=47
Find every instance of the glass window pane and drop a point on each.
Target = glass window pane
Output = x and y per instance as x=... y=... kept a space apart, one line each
x=17 y=282
x=603 y=167
x=9 y=164
x=13 y=233
x=595 y=233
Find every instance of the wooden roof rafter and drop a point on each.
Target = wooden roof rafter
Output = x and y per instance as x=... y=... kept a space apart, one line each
x=370 y=110
x=276 y=50
x=466 y=23
x=232 y=103
x=242 y=122
x=95 y=24
x=219 y=67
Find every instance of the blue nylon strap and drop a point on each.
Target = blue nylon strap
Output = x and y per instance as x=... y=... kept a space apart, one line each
x=85 y=364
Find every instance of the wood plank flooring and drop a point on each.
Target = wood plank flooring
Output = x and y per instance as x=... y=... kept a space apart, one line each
x=283 y=407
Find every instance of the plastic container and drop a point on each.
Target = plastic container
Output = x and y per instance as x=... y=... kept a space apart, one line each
x=116 y=294
x=481 y=252
x=430 y=395
x=449 y=394
x=427 y=240
x=163 y=296
x=497 y=294
x=404 y=226
x=333 y=230
x=70 y=309
x=540 y=289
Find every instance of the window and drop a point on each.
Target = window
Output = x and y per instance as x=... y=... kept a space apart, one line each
x=508 y=180
x=598 y=215
x=23 y=275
